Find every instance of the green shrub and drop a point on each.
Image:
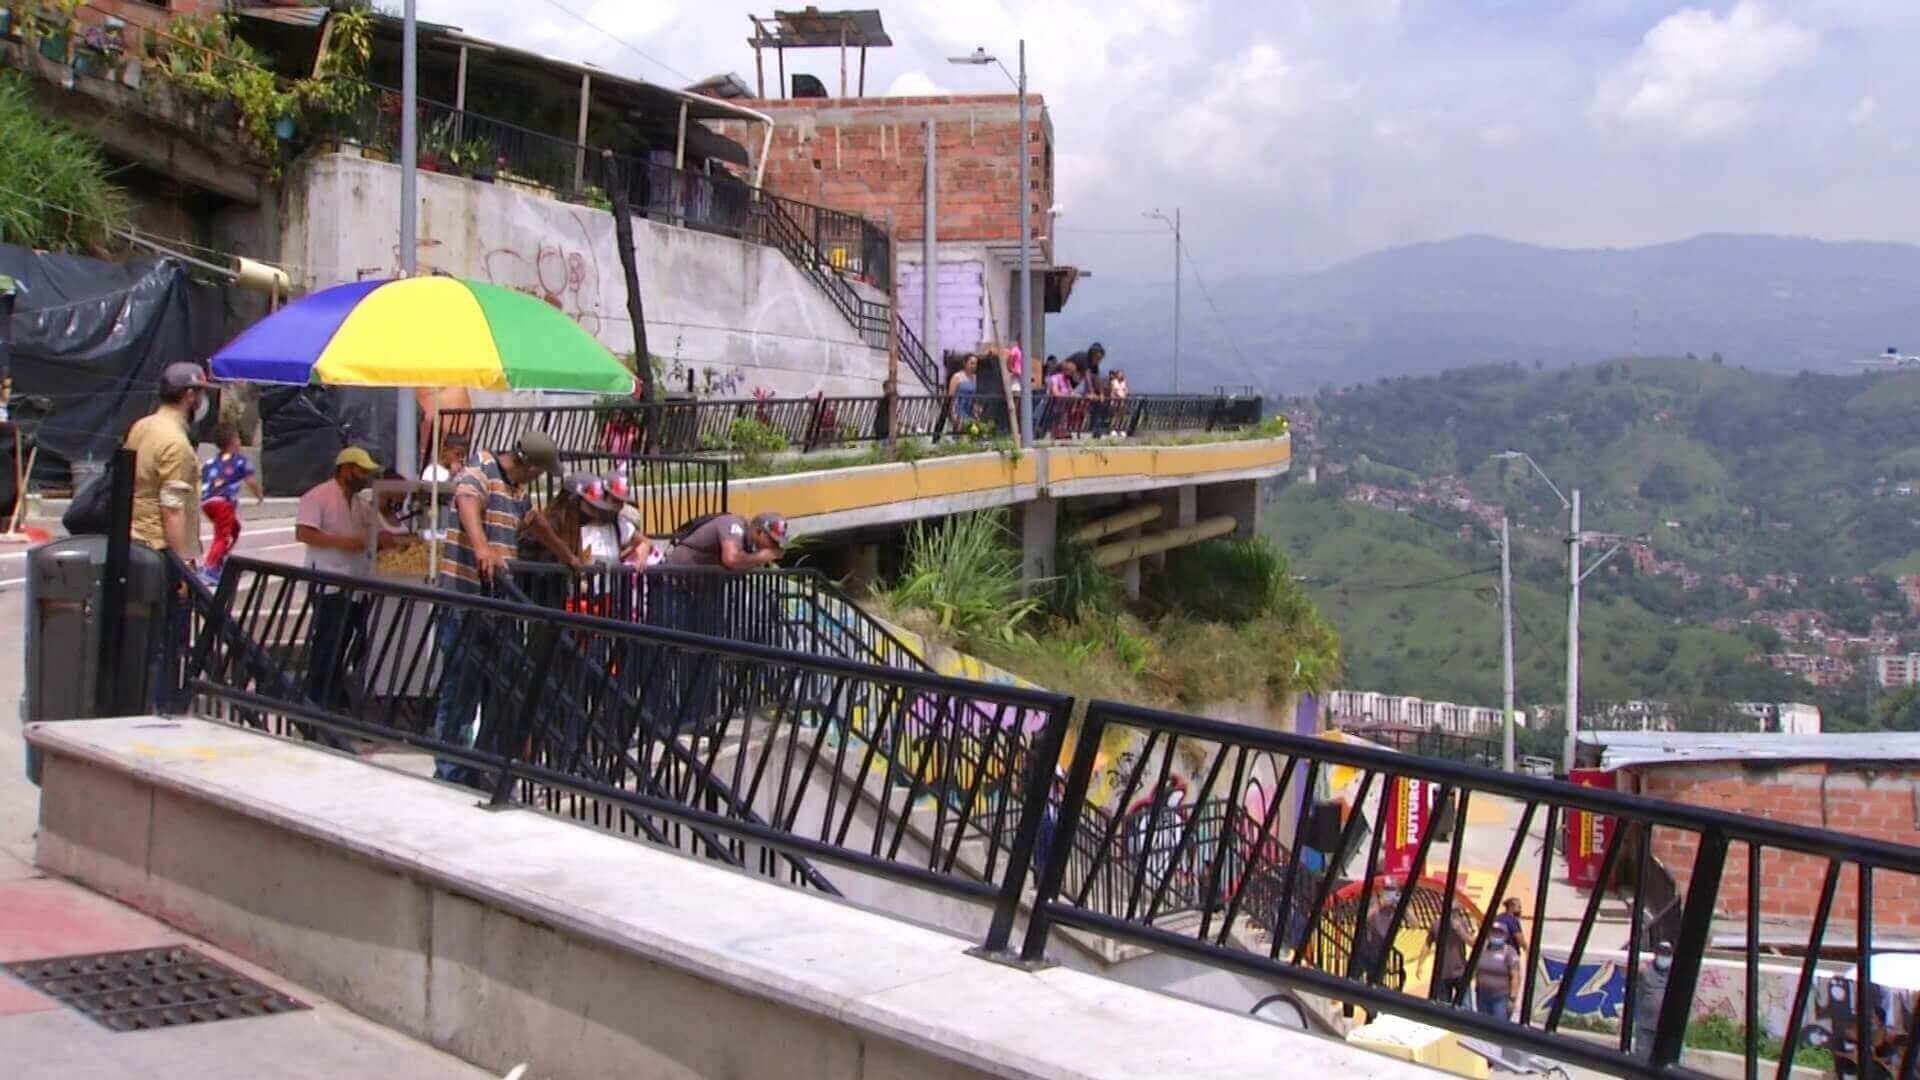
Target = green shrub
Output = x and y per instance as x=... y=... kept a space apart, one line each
x=1231 y=581
x=58 y=196
x=965 y=573
x=1080 y=588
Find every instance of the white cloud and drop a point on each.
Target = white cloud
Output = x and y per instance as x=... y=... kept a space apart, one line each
x=1698 y=75
x=913 y=84
x=1862 y=112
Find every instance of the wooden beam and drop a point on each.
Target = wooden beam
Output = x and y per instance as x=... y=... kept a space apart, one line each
x=863 y=71
x=460 y=98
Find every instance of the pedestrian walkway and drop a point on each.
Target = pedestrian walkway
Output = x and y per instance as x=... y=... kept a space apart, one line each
x=42 y=917
x=48 y=917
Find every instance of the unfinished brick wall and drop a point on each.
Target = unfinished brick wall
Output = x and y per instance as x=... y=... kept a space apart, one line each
x=868 y=156
x=1874 y=803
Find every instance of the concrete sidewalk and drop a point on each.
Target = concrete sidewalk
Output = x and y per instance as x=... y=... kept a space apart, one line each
x=42 y=917
x=47 y=917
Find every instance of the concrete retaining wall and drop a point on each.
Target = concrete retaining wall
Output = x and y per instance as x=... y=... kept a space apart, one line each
x=737 y=315
x=515 y=937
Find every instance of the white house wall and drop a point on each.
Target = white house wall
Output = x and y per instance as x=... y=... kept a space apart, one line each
x=736 y=314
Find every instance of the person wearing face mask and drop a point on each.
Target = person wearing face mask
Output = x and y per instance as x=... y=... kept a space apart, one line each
x=166 y=470
x=334 y=522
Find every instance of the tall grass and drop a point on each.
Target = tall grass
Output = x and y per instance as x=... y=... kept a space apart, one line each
x=1232 y=581
x=57 y=194
x=1081 y=588
x=964 y=572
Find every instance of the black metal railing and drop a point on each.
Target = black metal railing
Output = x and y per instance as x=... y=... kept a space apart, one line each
x=760 y=757
x=825 y=423
x=721 y=714
x=1431 y=742
x=1718 y=855
x=668 y=491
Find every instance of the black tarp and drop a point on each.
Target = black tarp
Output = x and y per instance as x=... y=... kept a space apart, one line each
x=303 y=427
x=90 y=338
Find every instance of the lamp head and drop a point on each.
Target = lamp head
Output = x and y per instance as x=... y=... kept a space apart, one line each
x=980 y=56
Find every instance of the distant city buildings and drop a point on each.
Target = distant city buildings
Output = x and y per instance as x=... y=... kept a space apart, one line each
x=1366 y=708
x=1898 y=669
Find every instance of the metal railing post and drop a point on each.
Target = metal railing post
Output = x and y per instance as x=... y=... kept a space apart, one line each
x=1026 y=837
x=1696 y=927
x=1066 y=829
x=546 y=643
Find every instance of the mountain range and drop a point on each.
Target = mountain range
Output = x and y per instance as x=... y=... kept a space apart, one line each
x=1766 y=303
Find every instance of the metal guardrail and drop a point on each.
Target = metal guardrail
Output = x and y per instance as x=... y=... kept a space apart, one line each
x=1725 y=855
x=697 y=723
x=670 y=491
x=1429 y=742
x=826 y=423
x=756 y=756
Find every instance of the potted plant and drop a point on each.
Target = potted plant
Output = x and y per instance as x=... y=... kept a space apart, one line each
x=99 y=51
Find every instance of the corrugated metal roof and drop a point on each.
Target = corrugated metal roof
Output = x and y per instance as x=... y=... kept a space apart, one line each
x=1623 y=749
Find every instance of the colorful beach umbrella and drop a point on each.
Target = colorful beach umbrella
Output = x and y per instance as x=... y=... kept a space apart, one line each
x=423 y=331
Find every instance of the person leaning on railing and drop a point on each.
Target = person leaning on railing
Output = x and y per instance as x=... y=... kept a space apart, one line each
x=494 y=505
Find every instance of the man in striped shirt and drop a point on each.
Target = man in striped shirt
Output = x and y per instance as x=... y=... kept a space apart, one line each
x=494 y=506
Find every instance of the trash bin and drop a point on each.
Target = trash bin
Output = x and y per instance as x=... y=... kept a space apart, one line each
x=64 y=624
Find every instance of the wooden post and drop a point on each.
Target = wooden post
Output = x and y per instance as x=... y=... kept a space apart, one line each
x=460 y=97
x=863 y=71
x=580 y=154
x=780 y=55
x=623 y=241
x=843 y=58
x=893 y=330
x=759 y=61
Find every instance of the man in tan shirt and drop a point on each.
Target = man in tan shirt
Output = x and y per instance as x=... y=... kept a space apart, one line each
x=166 y=471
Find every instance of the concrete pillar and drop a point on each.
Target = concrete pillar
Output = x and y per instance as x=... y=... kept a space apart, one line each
x=862 y=568
x=1130 y=570
x=1179 y=508
x=1038 y=523
x=1240 y=498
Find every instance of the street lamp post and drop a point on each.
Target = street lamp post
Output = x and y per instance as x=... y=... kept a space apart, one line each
x=405 y=453
x=980 y=58
x=1174 y=224
x=1575 y=576
x=1572 y=507
x=1506 y=646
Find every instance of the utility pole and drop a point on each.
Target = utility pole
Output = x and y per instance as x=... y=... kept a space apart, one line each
x=1573 y=629
x=1174 y=224
x=930 y=267
x=1506 y=644
x=1176 y=299
x=1029 y=356
x=405 y=452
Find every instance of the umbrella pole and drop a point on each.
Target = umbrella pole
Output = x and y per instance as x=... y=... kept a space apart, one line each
x=433 y=520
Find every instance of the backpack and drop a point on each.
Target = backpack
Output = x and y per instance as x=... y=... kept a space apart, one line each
x=91 y=511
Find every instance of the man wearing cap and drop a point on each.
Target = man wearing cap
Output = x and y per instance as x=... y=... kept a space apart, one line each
x=335 y=523
x=733 y=542
x=493 y=506
x=166 y=471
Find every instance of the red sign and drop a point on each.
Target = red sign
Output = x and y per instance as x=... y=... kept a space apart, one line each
x=1404 y=814
x=1587 y=833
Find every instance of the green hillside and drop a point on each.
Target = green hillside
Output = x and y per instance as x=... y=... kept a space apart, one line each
x=1418 y=613
x=1727 y=472
x=1762 y=473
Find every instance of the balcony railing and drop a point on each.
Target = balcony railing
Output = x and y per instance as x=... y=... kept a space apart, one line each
x=826 y=423
x=456 y=141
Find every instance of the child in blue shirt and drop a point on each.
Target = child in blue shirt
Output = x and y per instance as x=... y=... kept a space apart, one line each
x=220 y=480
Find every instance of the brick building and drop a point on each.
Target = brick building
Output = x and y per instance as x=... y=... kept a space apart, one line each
x=1864 y=784
x=867 y=155
x=1899 y=669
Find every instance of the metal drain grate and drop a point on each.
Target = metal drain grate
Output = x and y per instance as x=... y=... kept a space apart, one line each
x=151 y=988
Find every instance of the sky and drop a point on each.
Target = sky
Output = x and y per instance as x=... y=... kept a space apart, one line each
x=1294 y=134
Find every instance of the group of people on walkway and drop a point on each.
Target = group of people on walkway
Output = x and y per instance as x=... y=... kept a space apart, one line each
x=1077 y=398
x=490 y=518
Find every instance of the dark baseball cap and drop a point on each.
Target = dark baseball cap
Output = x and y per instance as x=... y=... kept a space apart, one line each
x=774 y=525
x=184 y=375
x=537 y=449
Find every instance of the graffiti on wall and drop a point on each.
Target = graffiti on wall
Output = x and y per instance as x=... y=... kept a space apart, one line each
x=563 y=274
